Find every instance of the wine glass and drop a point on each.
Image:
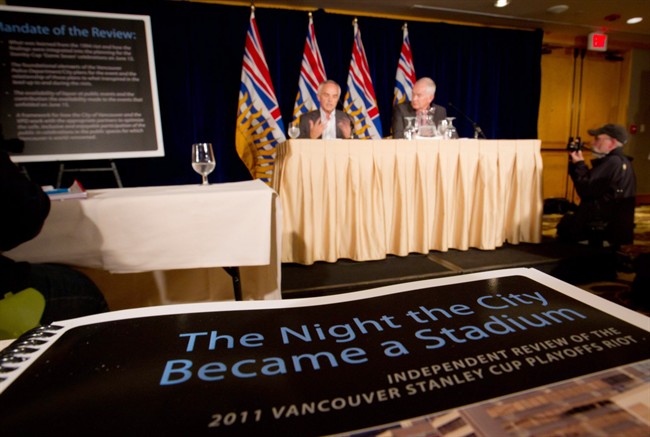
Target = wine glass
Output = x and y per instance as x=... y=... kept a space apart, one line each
x=203 y=160
x=442 y=128
x=451 y=133
x=294 y=130
x=410 y=127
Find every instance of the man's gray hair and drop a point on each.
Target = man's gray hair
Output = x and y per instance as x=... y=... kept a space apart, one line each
x=328 y=81
x=429 y=84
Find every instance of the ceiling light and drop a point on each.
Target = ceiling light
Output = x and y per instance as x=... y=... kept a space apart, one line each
x=501 y=3
x=634 y=20
x=557 y=9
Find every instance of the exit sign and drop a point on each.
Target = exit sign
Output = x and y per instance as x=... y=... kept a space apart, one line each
x=597 y=41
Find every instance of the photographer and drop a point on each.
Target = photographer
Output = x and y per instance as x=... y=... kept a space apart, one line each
x=607 y=191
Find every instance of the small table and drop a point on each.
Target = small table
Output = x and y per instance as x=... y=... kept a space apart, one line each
x=152 y=229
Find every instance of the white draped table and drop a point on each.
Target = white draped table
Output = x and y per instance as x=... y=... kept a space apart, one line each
x=363 y=200
x=149 y=229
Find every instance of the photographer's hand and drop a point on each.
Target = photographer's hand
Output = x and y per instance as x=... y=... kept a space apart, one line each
x=576 y=156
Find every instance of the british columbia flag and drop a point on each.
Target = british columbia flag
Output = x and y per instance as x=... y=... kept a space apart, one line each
x=360 y=101
x=312 y=74
x=259 y=122
x=405 y=77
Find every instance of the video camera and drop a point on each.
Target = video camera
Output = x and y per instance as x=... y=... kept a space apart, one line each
x=575 y=145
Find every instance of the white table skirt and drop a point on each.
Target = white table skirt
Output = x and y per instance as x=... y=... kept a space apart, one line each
x=363 y=200
x=144 y=229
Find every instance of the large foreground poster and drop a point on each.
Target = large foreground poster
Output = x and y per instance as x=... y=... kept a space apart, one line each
x=506 y=352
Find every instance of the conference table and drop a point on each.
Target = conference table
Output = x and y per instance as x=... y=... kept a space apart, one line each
x=365 y=199
x=182 y=229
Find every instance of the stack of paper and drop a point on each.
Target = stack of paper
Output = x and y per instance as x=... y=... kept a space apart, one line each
x=75 y=191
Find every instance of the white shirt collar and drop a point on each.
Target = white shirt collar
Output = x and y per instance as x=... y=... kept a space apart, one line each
x=329 y=132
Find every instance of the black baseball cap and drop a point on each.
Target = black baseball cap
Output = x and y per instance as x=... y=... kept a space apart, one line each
x=615 y=131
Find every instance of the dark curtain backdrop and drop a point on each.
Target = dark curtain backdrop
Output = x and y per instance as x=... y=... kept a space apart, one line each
x=492 y=75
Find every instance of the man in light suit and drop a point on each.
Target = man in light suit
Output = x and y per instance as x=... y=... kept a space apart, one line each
x=327 y=122
x=424 y=90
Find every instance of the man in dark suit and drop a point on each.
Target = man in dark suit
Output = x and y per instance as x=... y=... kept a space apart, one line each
x=327 y=122
x=424 y=90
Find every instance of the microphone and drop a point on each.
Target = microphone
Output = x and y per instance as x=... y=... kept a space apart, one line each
x=477 y=129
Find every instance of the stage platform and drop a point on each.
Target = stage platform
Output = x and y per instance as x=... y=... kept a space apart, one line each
x=599 y=270
x=573 y=263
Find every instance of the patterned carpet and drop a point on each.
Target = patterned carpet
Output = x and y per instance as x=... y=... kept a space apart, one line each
x=641 y=222
x=621 y=289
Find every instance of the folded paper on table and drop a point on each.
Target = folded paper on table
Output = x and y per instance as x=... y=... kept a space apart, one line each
x=75 y=191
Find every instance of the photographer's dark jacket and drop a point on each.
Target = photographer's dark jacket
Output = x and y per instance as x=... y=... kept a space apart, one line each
x=607 y=195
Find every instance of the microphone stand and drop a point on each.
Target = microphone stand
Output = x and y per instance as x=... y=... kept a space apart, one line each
x=477 y=129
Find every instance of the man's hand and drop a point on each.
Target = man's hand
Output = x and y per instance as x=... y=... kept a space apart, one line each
x=316 y=128
x=346 y=128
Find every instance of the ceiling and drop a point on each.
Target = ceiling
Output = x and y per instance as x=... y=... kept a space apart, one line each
x=581 y=17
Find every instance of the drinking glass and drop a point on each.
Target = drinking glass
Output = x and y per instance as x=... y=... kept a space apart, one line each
x=451 y=133
x=294 y=130
x=410 y=127
x=426 y=126
x=203 y=160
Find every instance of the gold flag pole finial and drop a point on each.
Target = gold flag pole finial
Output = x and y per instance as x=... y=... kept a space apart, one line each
x=252 y=6
x=309 y=14
x=354 y=22
x=405 y=26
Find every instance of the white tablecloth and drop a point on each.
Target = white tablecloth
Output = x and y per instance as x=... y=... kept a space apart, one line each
x=362 y=200
x=145 y=229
